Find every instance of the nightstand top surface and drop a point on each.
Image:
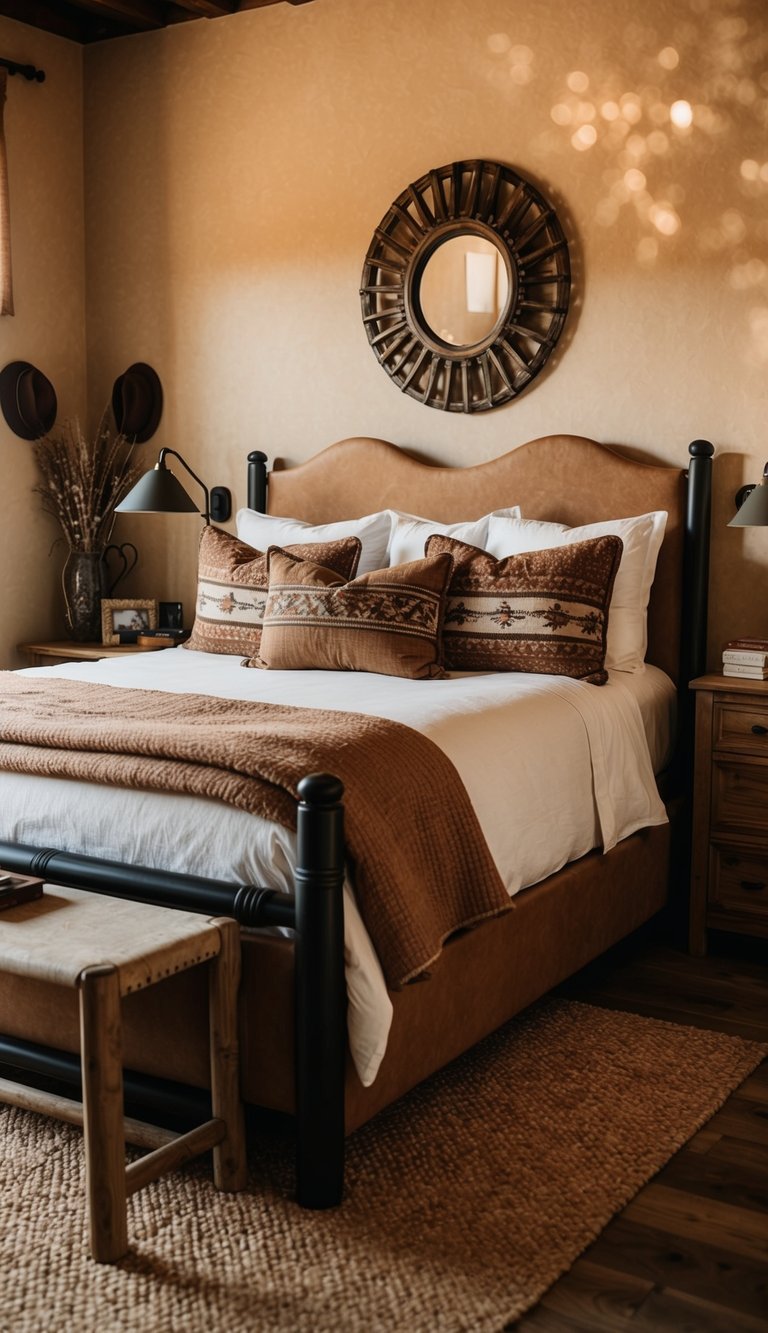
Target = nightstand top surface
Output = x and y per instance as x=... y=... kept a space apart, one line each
x=80 y=652
x=734 y=684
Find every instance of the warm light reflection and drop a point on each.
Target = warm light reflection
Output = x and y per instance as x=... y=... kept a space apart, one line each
x=679 y=103
x=577 y=81
x=584 y=137
x=634 y=179
x=636 y=146
x=752 y=273
x=668 y=58
x=521 y=65
x=664 y=219
x=561 y=114
x=681 y=114
x=631 y=109
x=518 y=58
x=648 y=250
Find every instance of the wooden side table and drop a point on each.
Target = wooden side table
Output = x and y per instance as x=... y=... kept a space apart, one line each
x=54 y=653
x=107 y=947
x=729 y=864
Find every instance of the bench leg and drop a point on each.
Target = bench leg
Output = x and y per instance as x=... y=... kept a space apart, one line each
x=230 y=1167
x=102 y=1064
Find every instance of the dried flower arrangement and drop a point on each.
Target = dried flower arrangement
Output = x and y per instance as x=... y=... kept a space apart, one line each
x=83 y=480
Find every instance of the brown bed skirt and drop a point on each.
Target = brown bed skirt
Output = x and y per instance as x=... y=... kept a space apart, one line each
x=484 y=977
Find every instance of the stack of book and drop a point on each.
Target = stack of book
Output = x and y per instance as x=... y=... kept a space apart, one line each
x=746 y=657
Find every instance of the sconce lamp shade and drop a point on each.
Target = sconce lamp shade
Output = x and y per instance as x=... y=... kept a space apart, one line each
x=752 y=504
x=157 y=492
x=160 y=492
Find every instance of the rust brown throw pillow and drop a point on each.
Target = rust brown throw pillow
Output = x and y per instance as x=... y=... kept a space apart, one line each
x=542 y=611
x=232 y=581
x=387 y=621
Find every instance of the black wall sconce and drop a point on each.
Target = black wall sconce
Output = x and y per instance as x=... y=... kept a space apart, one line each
x=752 y=504
x=159 y=491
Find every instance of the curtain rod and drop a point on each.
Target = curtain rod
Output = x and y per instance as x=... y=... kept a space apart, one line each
x=26 y=71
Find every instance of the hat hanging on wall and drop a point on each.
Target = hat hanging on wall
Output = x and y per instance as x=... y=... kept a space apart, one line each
x=28 y=400
x=137 y=402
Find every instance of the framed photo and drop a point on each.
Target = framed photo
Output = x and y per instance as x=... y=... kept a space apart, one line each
x=122 y=621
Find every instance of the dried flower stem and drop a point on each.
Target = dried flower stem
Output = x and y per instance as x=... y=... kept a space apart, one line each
x=83 y=481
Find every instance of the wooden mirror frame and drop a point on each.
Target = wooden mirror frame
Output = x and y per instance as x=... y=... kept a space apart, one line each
x=476 y=198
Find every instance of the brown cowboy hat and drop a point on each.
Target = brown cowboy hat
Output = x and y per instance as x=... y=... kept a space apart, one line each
x=137 y=402
x=28 y=400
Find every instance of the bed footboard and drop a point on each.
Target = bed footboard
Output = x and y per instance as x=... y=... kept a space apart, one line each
x=315 y=912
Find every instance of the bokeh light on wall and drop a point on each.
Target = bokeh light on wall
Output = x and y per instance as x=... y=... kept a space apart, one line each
x=662 y=114
x=681 y=114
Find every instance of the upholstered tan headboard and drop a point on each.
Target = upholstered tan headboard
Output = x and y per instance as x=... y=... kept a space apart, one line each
x=561 y=478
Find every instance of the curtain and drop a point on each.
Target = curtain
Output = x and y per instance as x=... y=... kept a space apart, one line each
x=6 y=283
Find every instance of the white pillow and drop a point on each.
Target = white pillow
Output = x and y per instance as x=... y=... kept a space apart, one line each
x=642 y=537
x=264 y=530
x=409 y=533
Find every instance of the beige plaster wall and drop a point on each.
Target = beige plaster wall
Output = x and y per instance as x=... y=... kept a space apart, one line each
x=44 y=139
x=235 y=170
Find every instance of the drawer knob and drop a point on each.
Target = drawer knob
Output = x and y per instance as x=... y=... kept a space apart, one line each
x=753 y=885
x=757 y=730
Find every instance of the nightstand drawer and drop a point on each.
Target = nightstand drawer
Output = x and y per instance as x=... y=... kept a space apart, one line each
x=742 y=727
x=739 y=881
x=740 y=795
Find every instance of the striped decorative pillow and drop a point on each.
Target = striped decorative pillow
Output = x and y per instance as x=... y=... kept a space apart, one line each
x=232 y=581
x=541 y=611
x=387 y=621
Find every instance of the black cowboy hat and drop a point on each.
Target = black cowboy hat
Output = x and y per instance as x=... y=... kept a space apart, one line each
x=28 y=400
x=137 y=402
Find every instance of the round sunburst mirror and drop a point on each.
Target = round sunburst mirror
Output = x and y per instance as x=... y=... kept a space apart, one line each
x=465 y=286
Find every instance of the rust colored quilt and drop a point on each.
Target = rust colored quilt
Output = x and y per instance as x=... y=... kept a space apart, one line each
x=416 y=855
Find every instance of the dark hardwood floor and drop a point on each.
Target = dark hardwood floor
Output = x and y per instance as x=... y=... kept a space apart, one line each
x=689 y=1254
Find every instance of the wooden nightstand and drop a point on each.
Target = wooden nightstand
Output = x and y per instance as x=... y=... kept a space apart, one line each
x=729 y=864
x=51 y=654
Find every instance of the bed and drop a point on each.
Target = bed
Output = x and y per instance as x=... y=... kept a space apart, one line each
x=330 y=1052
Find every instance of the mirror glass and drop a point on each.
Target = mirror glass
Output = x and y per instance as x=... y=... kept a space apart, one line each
x=463 y=289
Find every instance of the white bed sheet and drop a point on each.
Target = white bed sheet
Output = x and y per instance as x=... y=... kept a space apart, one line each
x=499 y=730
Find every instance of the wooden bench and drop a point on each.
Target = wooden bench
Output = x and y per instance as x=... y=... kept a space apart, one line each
x=106 y=948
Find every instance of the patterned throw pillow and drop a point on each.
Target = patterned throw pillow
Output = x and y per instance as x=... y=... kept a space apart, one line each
x=542 y=611
x=388 y=621
x=642 y=537
x=232 y=581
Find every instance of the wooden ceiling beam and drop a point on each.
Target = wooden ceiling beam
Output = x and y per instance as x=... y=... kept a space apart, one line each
x=95 y=20
x=37 y=14
x=141 y=14
x=209 y=9
x=262 y=4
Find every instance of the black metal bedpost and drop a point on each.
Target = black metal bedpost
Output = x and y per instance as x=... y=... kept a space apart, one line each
x=321 y=1030
x=696 y=561
x=257 y=481
x=693 y=662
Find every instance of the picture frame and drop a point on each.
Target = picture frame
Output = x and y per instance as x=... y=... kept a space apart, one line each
x=124 y=619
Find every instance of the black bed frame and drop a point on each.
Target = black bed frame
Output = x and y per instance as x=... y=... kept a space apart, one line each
x=315 y=910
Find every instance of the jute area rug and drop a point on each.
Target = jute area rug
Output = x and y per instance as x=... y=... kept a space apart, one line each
x=464 y=1203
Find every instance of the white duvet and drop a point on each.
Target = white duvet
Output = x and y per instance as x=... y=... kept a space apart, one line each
x=553 y=767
